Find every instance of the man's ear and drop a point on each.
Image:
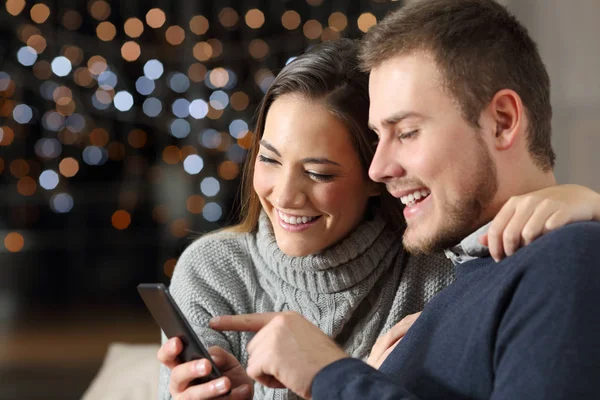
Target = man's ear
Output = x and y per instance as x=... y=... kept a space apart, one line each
x=507 y=113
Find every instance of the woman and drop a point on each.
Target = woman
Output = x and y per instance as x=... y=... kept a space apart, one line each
x=318 y=237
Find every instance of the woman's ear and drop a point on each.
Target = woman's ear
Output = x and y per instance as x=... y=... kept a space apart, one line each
x=507 y=113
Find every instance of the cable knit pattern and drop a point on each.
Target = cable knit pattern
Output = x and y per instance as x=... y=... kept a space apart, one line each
x=353 y=291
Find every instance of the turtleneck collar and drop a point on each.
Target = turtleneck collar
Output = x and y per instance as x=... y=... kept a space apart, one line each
x=334 y=269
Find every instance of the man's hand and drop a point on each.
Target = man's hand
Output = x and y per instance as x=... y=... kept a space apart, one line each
x=287 y=350
x=388 y=342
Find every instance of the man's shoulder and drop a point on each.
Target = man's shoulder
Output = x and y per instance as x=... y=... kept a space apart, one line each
x=576 y=238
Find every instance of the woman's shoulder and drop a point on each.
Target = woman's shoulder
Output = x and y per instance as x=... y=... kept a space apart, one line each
x=219 y=247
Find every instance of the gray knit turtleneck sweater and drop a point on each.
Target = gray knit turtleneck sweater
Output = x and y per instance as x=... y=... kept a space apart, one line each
x=353 y=291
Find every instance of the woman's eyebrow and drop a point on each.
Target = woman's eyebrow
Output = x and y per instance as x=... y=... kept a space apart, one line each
x=269 y=146
x=319 y=160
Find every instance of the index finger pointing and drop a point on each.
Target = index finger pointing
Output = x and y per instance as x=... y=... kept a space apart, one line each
x=242 y=322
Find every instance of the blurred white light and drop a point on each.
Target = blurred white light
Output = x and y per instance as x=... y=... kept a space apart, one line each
x=236 y=154
x=47 y=89
x=27 y=56
x=211 y=139
x=179 y=82
x=232 y=80
x=219 y=100
x=49 y=179
x=61 y=66
x=22 y=113
x=153 y=69
x=181 y=108
x=198 y=109
x=123 y=101
x=289 y=60
x=210 y=186
x=238 y=128
x=53 y=121
x=93 y=155
x=48 y=148
x=193 y=164
x=61 y=203
x=212 y=212
x=75 y=123
x=4 y=80
x=152 y=107
x=265 y=83
x=144 y=85
x=107 y=80
x=180 y=128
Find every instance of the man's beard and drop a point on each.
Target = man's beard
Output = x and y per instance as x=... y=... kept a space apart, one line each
x=459 y=217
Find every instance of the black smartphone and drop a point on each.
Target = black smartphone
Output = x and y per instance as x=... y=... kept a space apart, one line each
x=171 y=320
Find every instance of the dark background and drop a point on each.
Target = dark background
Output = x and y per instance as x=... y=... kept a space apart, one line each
x=73 y=250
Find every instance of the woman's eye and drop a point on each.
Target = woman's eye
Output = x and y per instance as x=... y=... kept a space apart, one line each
x=320 y=177
x=266 y=160
x=408 y=135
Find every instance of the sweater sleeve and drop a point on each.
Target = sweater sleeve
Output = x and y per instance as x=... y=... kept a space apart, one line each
x=547 y=344
x=212 y=277
x=350 y=379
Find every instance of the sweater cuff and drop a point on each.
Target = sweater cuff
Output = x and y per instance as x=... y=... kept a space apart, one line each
x=329 y=382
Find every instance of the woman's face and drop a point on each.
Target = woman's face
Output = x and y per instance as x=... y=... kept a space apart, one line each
x=308 y=176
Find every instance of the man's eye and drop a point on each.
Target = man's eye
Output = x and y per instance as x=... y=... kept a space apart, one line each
x=407 y=135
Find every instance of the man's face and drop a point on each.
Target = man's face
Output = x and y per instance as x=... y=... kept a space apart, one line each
x=428 y=155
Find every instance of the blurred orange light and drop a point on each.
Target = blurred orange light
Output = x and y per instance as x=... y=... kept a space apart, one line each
x=104 y=96
x=219 y=77
x=19 y=168
x=14 y=7
x=255 y=18
x=26 y=186
x=6 y=107
x=6 y=136
x=246 y=141
x=290 y=20
x=62 y=92
x=155 y=18
x=338 y=21
x=131 y=51
x=97 y=65
x=73 y=53
x=199 y=25
x=239 y=101
x=99 y=137
x=258 y=49
x=14 y=242
x=312 y=29
x=169 y=266
x=116 y=151
x=216 y=46
x=175 y=35
x=106 y=31
x=42 y=70
x=171 y=155
x=195 y=203
x=83 y=77
x=134 y=27
x=99 y=10
x=67 y=137
x=137 y=138
x=37 y=42
x=160 y=213
x=314 y=3
x=197 y=72
x=202 y=51
x=26 y=31
x=187 y=150
x=179 y=228
x=365 y=21
x=330 y=34
x=229 y=170
x=71 y=20
x=40 y=13
x=213 y=113
x=1 y=159
x=228 y=17
x=68 y=167
x=121 y=219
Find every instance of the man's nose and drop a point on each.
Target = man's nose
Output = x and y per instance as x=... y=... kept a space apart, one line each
x=385 y=165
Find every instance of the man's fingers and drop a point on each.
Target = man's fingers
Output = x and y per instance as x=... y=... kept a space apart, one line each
x=169 y=351
x=242 y=322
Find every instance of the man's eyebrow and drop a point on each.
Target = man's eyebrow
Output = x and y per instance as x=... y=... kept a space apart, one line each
x=397 y=117
x=269 y=146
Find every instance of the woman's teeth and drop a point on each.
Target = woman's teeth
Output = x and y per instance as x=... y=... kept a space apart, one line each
x=411 y=199
x=293 y=220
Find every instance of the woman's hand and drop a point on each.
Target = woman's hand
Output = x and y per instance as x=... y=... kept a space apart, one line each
x=235 y=377
x=386 y=343
x=524 y=218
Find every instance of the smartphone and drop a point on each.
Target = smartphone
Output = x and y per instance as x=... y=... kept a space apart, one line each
x=171 y=320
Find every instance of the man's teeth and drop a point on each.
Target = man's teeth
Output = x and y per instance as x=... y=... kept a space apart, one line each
x=412 y=198
x=295 y=220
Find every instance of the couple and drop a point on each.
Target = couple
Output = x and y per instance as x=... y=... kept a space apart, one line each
x=459 y=99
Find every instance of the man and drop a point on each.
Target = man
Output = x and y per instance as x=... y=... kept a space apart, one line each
x=460 y=101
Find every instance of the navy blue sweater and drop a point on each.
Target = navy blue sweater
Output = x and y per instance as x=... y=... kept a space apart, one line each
x=525 y=328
